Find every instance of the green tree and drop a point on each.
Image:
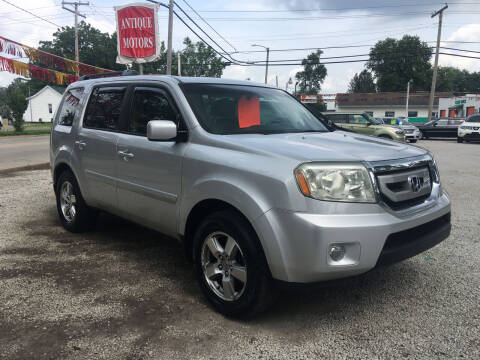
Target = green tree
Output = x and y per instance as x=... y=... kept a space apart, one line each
x=362 y=83
x=311 y=78
x=95 y=47
x=395 y=62
x=5 y=111
x=16 y=100
x=198 y=59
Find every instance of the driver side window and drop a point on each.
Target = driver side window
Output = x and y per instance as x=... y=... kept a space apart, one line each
x=148 y=104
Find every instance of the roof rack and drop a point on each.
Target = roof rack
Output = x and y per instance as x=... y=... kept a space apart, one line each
x=107 y=74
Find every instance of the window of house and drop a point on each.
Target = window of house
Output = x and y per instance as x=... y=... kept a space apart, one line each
x=412 y=113
x=149 y=104
x=103 y=110
x=70 y=106
x=389 y=113
x=50 y=109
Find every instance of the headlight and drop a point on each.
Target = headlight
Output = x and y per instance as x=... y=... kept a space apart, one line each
x=335 y=182
x=435 y=172
x=399 y=131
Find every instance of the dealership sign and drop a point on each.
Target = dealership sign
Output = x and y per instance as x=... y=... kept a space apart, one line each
x=137 y=33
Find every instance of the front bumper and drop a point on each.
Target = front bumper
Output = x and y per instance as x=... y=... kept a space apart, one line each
x=417 y=135
x=296 y=244
x=469 y=134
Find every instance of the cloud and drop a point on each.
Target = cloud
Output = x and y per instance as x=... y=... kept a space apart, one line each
x=469 y=32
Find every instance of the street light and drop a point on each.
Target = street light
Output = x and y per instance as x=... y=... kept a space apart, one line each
x=408 y=94
x=289 y=82
x=266 y=65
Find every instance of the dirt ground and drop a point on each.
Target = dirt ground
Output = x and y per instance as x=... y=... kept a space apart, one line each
x=125 y=292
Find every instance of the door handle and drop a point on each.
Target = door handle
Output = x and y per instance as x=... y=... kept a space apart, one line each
x=126 y=155
x=81 y=144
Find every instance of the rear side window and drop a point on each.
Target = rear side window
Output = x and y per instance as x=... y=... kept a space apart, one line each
x=103 y=110
x=70 y=106
x=337 y=118
x=149 y=104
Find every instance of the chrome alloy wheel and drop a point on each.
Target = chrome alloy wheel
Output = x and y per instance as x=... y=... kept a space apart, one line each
x=224 y=266
x=68 y=201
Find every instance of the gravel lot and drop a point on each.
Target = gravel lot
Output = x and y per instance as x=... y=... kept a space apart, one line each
x=125 y=292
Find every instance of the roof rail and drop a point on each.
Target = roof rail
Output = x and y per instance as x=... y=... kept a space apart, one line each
x=107 y=74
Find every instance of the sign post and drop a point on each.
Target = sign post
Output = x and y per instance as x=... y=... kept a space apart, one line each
x=137 y=33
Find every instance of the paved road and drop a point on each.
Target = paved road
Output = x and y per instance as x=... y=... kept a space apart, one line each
x=125 y=292
x=18 y=151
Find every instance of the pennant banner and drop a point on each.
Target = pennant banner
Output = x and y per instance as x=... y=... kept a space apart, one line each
x=36 y=72
x=45 y=59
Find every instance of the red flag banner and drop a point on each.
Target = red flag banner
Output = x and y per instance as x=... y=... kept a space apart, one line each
x=137 y=33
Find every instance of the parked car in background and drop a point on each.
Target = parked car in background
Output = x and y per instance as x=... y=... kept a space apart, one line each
x=363 y=123
x=440 y=128
x=412 y=133
x=469 y=130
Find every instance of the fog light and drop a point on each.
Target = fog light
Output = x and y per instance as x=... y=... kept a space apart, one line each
x=336 y=252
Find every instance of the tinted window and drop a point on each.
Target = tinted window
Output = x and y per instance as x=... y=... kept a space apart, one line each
x=236 y=109
x=337 y=118
x=70 y=106
x=475 y=118
x=357 y=119
x=149 y=104
x=412 y=113
x=103 y=110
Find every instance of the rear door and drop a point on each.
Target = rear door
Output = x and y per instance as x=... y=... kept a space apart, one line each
x=96 y=145
x=149 y=172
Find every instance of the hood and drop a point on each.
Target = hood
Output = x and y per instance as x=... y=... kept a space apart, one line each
x=328 y=146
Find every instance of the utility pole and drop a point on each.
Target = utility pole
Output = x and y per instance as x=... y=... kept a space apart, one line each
x=435 y=64
x=408 y=94
x=76 y=4
x=179 y=64
x=266 y=64
x=170 y=31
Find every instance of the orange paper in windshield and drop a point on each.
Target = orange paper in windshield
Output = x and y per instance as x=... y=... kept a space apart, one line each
x=248 y=111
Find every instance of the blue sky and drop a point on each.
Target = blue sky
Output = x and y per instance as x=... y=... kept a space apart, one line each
x=278 y=24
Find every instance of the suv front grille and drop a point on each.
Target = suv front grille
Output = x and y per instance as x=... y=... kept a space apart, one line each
x=405 y=188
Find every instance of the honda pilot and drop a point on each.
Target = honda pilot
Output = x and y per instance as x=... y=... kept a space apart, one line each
x=259 y=191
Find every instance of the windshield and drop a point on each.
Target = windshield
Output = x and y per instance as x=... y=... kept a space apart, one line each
x=237 y=109
x=474 y=119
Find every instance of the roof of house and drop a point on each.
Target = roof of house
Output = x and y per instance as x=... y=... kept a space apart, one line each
x=58 y=89
x=416 y=98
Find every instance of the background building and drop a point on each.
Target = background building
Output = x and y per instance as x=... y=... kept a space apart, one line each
x=390 y=104
x=42 y=105
x=459 y=106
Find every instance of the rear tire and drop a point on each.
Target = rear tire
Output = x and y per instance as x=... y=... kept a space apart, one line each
x=459 y=140
x=231 y=267
x=76 y=216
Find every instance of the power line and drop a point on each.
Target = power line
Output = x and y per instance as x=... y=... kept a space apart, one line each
x=205 y=21
x=41 y=18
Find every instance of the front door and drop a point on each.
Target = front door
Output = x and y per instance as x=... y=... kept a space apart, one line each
x=149 y=172
x=359 y=124
x=95 y=145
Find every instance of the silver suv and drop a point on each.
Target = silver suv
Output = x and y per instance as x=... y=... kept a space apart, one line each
x=259 y=190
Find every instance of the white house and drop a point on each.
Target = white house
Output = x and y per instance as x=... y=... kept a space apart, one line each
x=42 y=105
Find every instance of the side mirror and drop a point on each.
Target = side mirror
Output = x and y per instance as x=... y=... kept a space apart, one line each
x=161 y=130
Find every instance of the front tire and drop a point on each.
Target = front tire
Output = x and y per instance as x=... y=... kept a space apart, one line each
x=76 y=216
x=231 y=267
x=383 y=136
x=413 y=141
